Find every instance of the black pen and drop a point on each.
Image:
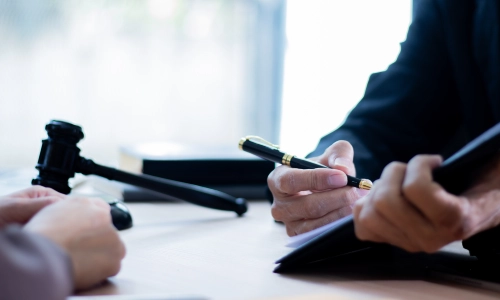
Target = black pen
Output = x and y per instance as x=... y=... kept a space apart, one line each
x=263 y=149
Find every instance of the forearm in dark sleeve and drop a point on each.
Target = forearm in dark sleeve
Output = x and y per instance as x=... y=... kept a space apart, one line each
x=32 y=267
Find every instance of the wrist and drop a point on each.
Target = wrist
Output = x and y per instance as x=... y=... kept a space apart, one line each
x=57 y=238
x=58 y=260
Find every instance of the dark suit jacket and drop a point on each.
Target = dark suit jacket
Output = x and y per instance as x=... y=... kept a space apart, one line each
x=441 y=92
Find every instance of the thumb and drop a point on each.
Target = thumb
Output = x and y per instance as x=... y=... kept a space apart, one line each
x=340 y=156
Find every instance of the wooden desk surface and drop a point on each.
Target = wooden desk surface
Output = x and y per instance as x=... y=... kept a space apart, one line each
x=179 y=248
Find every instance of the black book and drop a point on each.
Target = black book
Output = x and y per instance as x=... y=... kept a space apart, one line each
x=456 y=174
x=229 y=170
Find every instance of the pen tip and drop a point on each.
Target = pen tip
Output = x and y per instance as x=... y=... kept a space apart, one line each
x=365 y=184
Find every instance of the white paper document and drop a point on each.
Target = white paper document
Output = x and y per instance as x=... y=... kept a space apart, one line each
x=299 y=240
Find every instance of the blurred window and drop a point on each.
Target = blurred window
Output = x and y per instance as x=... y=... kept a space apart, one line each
x=197 y=72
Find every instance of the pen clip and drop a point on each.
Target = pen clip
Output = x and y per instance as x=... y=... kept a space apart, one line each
x=262 y=141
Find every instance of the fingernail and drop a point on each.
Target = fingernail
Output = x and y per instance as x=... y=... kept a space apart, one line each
x=361 y=192
x=342 y=162
x=337 y=180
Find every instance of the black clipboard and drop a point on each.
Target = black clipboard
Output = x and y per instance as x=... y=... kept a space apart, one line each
x=456 y=174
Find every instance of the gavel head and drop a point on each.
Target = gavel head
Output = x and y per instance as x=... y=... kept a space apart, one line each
x=58 y=156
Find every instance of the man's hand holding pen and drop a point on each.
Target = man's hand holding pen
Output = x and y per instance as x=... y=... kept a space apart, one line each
x=405 y=208
x=308 y=199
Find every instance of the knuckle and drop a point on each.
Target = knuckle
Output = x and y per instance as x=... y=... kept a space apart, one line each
x=312 y=210
x=100 y=203
x=344 y=211
x=271 y=179
x=342 y=144
x=379 y=199
x=53 y=199
x=82 y=200
x=357 y=208
x=102 y=219
x=412 y=188
x=379 y=204
x=276 y=179
x=396 y=166
x=350 y=197
x=339 y=148
x=276 y=211
x=284 y=182
x=419 y=159
x=363 y=220
x=330 y=149
x=290 y=231
x=382 y=202
x=38 y=188
x=452 y=220
x=459 y=232
x=361 y=234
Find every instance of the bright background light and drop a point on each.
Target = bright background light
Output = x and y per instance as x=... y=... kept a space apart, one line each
x=333 y=47
x=128 y=72
x=197 y=72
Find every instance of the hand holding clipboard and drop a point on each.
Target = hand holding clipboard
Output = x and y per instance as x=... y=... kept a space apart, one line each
x=456 y=174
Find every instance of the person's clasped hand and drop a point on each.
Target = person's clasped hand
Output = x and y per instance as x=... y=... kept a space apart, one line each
x=21 y=206
x=308 y=199
x=407 y=209
x=82 y=227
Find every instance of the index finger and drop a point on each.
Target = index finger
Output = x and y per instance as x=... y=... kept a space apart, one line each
x=37 y=191
x=25 y=210
x=289 y=181
x=99 y=202
x=440 y=207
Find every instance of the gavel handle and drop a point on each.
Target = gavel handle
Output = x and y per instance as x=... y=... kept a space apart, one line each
x=188 y=192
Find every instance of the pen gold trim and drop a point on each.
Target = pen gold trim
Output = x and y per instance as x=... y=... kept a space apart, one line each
x=287 y=159
x=365 y=184
x=271 y=152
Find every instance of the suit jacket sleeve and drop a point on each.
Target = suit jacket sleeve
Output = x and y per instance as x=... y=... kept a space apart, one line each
x=32 y=267
x=409 y=109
